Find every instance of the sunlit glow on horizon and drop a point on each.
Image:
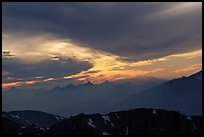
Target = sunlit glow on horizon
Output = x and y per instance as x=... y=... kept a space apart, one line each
x=106 y=66
x=6 y=86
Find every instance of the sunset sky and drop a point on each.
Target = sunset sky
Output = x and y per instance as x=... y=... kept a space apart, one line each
x=54 y=44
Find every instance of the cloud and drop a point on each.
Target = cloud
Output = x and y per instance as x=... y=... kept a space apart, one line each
x=6 y=86
x=99 y=77
x=175 y=9
x=6 y=54
x=17 y=72
x=117 y=28
x=91 y=72
x=111 y=41
x=189 y=68
x=189 y=54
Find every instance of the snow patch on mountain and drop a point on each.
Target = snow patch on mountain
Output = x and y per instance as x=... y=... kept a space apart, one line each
x=154 y=112
x=90 y=123
x=105 y=133
x=106 y=118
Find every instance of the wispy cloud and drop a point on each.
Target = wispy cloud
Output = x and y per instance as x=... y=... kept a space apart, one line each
x=6 y=86
x=189 y=54
x=113 y=69
x=7 y=54
x=115 y=41
x=174 y=9
x=117 y=28
x=61 y=54
x=189 y=68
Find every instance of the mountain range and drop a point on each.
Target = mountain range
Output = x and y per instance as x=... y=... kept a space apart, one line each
x=182 y=94
x=28 y=117
x=73 y=99
x=169 y=108
x=132 y=122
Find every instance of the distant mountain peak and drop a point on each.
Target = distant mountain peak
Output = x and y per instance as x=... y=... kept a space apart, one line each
x=105 y=83
x=70 y=86
x=197 y=75
x=185 y=91
x=88 y=83
x=26 y=118
x=13 y=89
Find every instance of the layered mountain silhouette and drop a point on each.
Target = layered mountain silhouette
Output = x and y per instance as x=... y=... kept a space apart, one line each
x=132 y=122
x=73 y=99
x=182 y=94
x=171 y=108
x=29 y=117
x=28 y=122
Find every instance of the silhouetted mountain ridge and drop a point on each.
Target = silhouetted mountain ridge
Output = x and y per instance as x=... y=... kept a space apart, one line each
x=26 y=118
x=197 y=75
x=131 y=122
x=182 y=94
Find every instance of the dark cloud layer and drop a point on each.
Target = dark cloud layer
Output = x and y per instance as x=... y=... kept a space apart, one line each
x=46 y=68
x=134 y=30
x=7 y=54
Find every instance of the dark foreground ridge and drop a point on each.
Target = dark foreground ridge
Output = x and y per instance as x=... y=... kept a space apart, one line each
x=132 y=122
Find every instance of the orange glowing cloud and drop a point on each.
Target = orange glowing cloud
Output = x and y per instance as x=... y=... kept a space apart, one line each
x=114 y=75
x=49 y=79
x=189 y=68
x=111 y=69
x=6 y=86
x=189 y=54
x=105 y=66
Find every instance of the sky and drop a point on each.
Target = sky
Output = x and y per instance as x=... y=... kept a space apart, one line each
x=54 y=44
